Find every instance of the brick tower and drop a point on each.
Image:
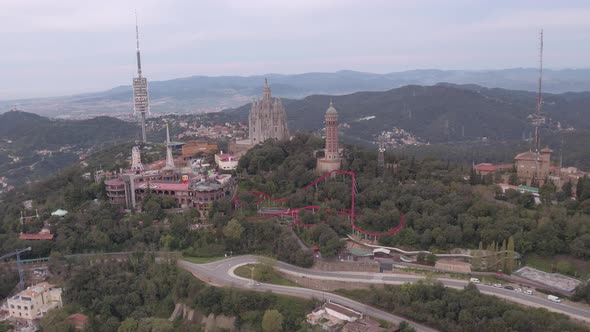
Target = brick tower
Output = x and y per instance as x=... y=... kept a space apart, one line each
x=331 y=159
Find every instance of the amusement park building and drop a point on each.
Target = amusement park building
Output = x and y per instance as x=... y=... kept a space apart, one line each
x=190 y=189
x=196 y=192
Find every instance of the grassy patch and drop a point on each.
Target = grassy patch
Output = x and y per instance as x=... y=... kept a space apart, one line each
x=273 y=277
x=201 y=260
x=563 y=264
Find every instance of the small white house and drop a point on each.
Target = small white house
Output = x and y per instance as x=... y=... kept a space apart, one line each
x=226 y=161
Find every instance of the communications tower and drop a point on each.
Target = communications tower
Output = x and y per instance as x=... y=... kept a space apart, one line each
x=538 y=118
x=140 y=90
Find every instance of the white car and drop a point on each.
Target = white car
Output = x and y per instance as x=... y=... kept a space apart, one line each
x=498 y=285
x=528 y=292
x=474 y=280
x=518 y=290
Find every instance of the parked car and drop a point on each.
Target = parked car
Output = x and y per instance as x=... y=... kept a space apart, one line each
x=474 y=280
x=498 y=285
x=518 y=290
x=509 y=287
x=528 y=292
x=553 y=298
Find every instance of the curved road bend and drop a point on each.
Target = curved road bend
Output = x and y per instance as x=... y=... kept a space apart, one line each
x=223 y=271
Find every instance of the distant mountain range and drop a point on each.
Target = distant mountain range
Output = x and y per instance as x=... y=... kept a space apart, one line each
x=202 y=93
x=437 y=114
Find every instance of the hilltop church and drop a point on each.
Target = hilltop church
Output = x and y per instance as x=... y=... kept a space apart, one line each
x=267 y=120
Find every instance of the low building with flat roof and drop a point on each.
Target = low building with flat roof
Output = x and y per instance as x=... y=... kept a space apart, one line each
x=226 y=161
x=34 y=302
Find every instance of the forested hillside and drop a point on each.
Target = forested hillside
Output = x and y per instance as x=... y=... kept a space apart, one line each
x=33 y=147
x=451 y=310
x=140 y=295
x=439 y=113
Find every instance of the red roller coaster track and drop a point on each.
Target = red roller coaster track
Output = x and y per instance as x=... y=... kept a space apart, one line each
x=294 y=212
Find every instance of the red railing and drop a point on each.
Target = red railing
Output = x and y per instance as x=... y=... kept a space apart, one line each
x=294 y=212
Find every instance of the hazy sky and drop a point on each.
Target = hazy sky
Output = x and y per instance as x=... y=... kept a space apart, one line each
x=61 y=47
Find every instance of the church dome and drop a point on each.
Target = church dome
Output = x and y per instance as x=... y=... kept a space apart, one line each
x=331 y=109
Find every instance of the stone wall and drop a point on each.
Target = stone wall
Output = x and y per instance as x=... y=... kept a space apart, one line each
x=209 y=323
x=324 y=285
x=347 y=266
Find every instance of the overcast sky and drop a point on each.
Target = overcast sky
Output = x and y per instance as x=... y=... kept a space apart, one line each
x=62 y=47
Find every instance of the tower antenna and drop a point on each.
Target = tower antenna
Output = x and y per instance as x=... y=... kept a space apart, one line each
x=537 y=118
x=137 y=49
x=539 y=95
x=140 y=89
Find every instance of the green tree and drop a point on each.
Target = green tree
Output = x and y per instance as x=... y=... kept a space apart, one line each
x=477 y=257
x=580 y=187
x=129 y=325
x=56 y=321
x=152 y=207
x=431 y=259
x=491 y=259
x=233 y=230
x=509 y=266
x=265 y=269
x=405 y=327
x=513 y=179
x=502 y=255
x=567 y=189
x=272 y=321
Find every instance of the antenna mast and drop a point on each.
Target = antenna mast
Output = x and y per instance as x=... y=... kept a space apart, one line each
x=140 y=89
x=137 y=49
x=538 y=119
x=539 y=96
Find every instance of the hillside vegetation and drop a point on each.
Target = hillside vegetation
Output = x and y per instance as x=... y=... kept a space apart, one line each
x=436 y=114
x=25 y=136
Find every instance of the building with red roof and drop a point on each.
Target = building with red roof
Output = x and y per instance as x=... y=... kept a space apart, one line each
x=35 y=237
x=190 y=186
x=78 y=321
x=226 y=161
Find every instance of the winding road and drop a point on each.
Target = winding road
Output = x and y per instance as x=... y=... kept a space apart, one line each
x=221 y=273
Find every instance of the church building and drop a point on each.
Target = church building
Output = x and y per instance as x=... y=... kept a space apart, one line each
x=267 y=119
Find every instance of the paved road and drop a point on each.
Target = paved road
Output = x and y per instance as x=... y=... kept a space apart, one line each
x=391 y=278
x=221 y=272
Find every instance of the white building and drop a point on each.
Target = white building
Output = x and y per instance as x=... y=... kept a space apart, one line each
x=333 y=316
x=226 y=161
x=34 y=302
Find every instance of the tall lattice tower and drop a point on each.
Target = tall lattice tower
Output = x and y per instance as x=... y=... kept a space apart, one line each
x=141 y=105
x=538 y=118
